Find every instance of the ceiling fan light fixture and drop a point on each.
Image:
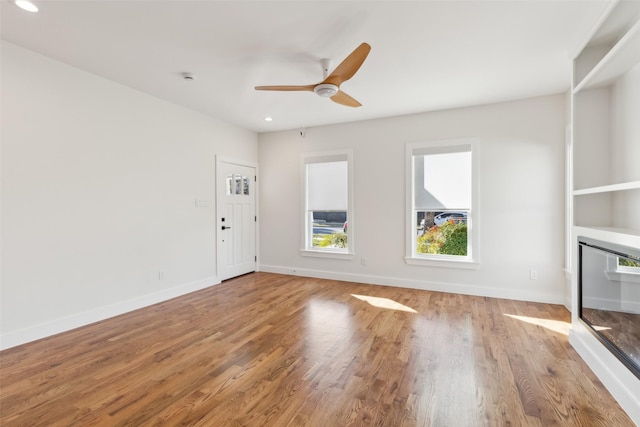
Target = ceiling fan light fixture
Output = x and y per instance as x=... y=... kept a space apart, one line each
x=326 y=90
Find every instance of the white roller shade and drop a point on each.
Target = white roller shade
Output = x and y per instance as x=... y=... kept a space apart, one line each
x=327 y=186
x=446 y=180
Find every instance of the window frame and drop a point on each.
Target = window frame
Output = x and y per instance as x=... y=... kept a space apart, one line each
x=306 y=248
x=472 y=260
x=618 y=273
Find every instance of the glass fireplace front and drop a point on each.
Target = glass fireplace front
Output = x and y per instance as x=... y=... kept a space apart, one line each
x=609 y=297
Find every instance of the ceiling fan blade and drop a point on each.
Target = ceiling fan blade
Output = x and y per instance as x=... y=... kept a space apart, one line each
x=349 y=66
x=344 y=99
x=308 y=88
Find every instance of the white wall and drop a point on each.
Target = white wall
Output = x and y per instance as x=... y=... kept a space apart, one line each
x=625 y=148
x=98 y=196
x=521 y=214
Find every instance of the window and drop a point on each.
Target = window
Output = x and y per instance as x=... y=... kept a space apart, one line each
x=628 y=265
x=237 y=184
x=328 y=219
x=624 y=267
x=442 y=198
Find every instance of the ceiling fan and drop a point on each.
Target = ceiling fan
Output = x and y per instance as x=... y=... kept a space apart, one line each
x=330 y=86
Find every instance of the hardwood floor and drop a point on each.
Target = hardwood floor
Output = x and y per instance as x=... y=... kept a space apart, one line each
x=274 y=350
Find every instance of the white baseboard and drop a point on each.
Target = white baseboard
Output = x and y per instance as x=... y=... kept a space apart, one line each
x=612 y=304
x=56 y=326
x=621 y=383
x=456 y=288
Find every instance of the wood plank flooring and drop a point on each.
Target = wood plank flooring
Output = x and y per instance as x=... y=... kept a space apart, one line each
x=274 y=350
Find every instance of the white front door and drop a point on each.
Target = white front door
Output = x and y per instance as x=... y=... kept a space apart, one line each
x=236 y=219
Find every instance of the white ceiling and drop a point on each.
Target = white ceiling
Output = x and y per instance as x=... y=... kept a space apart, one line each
x=426 y=55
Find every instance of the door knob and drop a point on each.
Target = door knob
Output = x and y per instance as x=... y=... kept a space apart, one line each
x=226 y=228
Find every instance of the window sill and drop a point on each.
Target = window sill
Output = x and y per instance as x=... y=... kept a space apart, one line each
x=443 y=263
x=327 y=254
x=623 y=276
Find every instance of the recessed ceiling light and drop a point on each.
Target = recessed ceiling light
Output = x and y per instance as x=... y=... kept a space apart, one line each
x=26 y=5
x=268 y=119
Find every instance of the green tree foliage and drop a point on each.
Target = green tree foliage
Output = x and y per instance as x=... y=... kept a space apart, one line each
x=628 y=263
x=449 y=238
x=335 y=240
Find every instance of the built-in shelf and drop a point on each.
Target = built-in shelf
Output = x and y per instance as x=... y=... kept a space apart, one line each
x=622 y=57
x=605 y=202
x=627 y=232
x=608 y=188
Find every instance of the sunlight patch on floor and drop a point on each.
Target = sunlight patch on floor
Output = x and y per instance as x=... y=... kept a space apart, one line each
x=328 y=329
x=384 y=303
x=553 y=325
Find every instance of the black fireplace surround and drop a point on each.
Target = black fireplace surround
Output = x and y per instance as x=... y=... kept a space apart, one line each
x=609 y=297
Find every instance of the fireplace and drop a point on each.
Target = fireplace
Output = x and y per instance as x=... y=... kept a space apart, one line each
x=609 y=297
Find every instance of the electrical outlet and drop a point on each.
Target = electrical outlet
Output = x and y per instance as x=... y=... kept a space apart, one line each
x=161 y=275
x=363 y=261
x=533 y=274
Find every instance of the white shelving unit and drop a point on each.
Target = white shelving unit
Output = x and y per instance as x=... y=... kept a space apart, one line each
x=605 y=151
x=634 y=185
x=619 y=59
x=605 y=119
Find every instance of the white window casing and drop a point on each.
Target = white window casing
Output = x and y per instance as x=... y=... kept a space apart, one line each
x=432 y=186
x=327 y=179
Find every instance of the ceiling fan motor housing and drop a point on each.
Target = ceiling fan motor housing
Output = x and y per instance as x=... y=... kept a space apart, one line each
x=326 y=90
